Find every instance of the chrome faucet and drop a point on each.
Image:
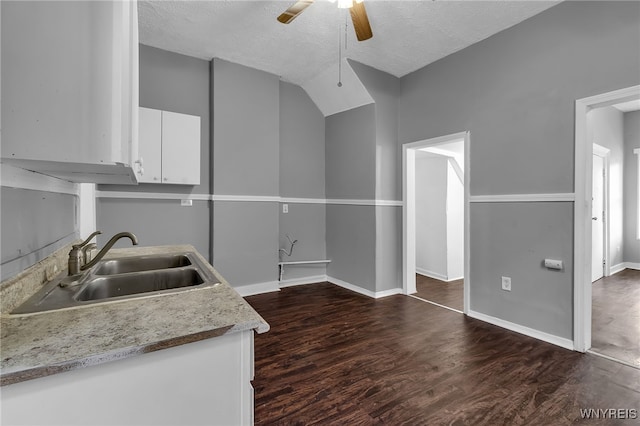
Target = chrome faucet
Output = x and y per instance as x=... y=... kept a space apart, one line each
x=77 y=255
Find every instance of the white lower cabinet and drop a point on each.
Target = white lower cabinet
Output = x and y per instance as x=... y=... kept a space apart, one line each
x=205 y=382
x=169 y=145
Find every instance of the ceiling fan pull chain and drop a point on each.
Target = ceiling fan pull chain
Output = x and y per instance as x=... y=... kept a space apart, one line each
x=346 y=23
x=339 y=58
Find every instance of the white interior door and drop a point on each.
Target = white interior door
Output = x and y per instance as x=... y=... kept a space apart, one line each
x=597 y=220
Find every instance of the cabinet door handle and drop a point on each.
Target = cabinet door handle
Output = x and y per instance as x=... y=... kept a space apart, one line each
x=140 y=163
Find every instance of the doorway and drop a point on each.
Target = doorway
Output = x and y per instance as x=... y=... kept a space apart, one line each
x=437 y=276
x=591 y=226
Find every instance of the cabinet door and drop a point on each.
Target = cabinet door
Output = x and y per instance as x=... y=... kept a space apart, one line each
x=150 y=145
x=180 y=148
x=69 y=78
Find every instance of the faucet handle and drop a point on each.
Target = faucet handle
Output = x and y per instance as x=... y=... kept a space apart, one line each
x=85 y=242
x=86 y=252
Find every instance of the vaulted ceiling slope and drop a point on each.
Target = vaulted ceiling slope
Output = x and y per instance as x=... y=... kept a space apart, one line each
x=407 y=34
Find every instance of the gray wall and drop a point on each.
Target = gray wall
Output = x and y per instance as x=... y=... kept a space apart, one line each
x=631 y=141
x=155 y=222
x=302 y=150
x=302 y=166
x=388 y=247
x=512 y=240
x=606 y=126
x=246 y=130
x=350 y=174
x=515 y=93
x=351 y=244
x=246 y=241
x=34 y=224
x=350 y=154
x=384 y=89
x=177 y=83
x=362 y=150
x=246 y=137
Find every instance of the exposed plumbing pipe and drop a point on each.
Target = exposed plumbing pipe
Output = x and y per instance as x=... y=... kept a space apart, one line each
x=290 y=252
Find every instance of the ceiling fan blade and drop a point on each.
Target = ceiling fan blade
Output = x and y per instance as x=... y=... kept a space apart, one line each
x=361 y=21
x=295 y=10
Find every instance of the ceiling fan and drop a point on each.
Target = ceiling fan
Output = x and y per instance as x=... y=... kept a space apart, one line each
x=358 y=15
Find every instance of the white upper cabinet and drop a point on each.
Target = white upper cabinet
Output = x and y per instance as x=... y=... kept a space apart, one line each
x=70 y=88
x=169 y=147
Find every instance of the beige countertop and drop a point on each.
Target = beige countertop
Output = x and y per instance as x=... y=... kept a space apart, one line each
x=37 y=345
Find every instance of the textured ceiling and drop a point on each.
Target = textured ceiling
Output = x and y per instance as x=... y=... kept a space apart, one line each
x=407 y=34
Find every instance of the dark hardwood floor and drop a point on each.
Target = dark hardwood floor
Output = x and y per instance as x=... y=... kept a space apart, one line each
x=450 y=294
x=615 y=319
x=334 y=357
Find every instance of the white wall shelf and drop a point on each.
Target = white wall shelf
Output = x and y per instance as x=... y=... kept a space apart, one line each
x=281 y=265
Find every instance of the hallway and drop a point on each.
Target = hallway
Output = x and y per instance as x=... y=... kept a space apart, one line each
x=616 y=316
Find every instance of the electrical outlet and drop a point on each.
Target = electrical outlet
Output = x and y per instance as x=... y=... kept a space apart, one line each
x=506 y=283
x=285 y=208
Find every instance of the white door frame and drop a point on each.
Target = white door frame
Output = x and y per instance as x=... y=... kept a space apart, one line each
x=582 y=211
x=409 y=211
x=604 y=153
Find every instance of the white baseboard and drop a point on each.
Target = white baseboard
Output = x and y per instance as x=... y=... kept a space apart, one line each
x=258 y=288
x=364 y=291
x=436 y=275
x=622 y=266
x=632 y=265
x=536 y=334
x=303 y=281
x=616 y=268
x=390 y=292
x=431 y=274
x=270 y=286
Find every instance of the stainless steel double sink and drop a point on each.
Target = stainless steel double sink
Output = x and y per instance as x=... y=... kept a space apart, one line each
x=121 y=279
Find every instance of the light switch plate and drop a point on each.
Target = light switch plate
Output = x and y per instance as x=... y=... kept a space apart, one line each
x=506 y=283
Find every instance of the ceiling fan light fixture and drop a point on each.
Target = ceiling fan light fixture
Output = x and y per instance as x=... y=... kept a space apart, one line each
x=356 y=8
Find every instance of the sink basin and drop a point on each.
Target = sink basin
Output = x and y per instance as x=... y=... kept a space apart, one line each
x=122 y=279
x=140 y=263
x=128 y=284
